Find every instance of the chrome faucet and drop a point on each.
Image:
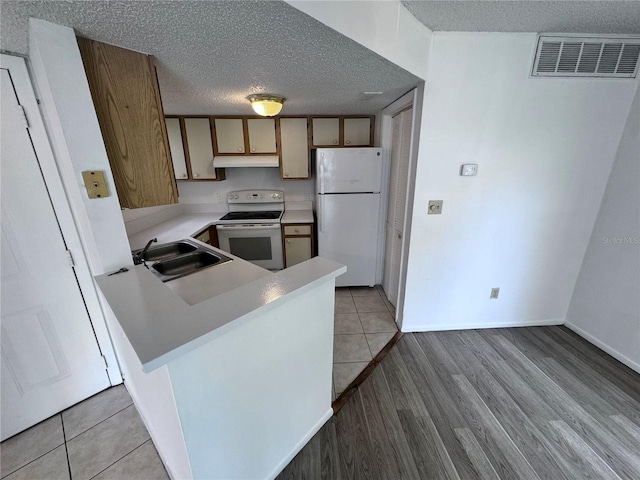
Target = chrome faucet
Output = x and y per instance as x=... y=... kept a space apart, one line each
x=139 y=258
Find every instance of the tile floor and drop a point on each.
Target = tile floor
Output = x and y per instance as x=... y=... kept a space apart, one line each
x=102 y=438
x=363 y=326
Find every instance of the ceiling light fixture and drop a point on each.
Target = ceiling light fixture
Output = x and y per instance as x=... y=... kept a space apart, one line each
x=266 y=104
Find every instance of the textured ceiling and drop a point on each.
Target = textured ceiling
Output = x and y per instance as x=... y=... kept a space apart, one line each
x=212 y=54
x=566 y=16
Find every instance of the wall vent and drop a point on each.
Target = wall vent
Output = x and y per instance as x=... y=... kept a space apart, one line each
x=566 y=56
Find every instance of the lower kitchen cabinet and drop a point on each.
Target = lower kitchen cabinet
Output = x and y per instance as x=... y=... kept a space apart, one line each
x=298 y=243
x=209 y=236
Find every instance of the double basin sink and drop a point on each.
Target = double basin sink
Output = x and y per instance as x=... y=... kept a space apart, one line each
x=173 y=260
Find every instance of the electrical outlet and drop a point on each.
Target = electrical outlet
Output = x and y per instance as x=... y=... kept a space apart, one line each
x=495 y=292
x=219 y=197
x=435 y=207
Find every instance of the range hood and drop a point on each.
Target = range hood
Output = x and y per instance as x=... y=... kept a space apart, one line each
x=230 y=161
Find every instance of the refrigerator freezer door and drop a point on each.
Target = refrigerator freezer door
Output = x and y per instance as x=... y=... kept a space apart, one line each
x=348 y=170
x=348 y=234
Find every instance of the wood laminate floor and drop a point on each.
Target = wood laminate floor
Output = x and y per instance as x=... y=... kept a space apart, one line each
x=521 y=403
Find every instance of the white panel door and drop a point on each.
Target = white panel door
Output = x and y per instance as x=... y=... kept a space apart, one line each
x=348 y=234
x=398 y=184
x=50 y=355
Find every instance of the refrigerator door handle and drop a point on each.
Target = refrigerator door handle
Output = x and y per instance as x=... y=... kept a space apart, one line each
x=320 y=209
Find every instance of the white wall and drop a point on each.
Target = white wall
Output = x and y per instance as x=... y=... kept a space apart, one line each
x=544 y=148
x=385 y=27
x=605 y=307
x=76 y=139
x=251 y=399
x=244 y=179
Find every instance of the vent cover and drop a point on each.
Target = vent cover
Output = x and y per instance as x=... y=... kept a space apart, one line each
x=586 y=57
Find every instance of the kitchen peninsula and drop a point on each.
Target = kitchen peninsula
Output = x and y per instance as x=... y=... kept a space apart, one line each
x=231 y=381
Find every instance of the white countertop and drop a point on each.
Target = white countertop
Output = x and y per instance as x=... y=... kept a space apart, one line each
x=161 y=326
x=176 y=228
x=166 y=320
x=297 y=216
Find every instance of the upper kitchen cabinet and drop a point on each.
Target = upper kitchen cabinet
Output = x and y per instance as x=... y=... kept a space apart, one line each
x=200 y=148
x=125 y=93
x=245 y=136
x=176 y=145
x=342 y=131
x=191 y=144
x=262 y=135
x=294 y=146
x=229 y=136
x=326 y=132
x=357 y=132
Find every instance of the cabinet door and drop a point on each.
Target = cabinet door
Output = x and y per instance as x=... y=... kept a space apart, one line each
x=357 y=131
x=198 y=131
x=262 y=135
x=294 y=160
x=297 y=250
x=229 y=135
x=326 y=132
x=125 y=93
x=177 y=148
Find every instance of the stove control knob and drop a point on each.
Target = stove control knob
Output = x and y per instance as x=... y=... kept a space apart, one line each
x=274 y=195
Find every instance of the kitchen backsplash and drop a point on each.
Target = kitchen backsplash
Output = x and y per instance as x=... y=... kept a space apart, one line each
x=201 y=197
x=244 y=179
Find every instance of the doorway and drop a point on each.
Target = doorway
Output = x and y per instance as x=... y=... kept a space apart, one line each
x=400 y=127
x=50 y=355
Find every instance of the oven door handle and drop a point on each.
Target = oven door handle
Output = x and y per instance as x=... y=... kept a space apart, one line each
x=248 y=226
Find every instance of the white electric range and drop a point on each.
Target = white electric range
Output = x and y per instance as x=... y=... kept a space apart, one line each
x=251 y=229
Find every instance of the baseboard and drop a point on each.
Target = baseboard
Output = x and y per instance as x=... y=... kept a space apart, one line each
x=299 y=446
x=603 y=346
x=479 y=326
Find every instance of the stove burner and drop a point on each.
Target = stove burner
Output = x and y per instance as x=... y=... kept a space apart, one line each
x=272 y=215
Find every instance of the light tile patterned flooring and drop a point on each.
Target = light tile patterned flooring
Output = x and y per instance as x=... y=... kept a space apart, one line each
x=103 y=438
x=364 y=324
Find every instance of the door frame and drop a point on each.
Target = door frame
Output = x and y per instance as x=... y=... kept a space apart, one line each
x=411 y=99
x=19 y=72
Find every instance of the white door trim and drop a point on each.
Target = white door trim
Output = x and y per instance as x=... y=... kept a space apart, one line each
x=411 y=99
x=42 y=146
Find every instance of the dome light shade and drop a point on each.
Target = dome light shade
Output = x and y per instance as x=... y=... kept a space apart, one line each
x=265 y=104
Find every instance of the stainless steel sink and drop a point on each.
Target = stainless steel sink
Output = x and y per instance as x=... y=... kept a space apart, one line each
x=178 y=259
x=168 y=250
x=187 y=263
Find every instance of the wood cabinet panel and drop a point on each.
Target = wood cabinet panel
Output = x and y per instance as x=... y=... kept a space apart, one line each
x=229 y=135
x=294 y=147
x=262 y=135
x=174 y=133
x=125 y=93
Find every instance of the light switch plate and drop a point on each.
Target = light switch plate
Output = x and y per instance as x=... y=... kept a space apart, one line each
x=435 y=207
x=95 y=184
x=469 y=170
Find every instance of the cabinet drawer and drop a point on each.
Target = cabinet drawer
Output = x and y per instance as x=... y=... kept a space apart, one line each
x=297 y=230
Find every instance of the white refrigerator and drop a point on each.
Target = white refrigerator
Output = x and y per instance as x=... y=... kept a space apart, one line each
x=348 y=202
